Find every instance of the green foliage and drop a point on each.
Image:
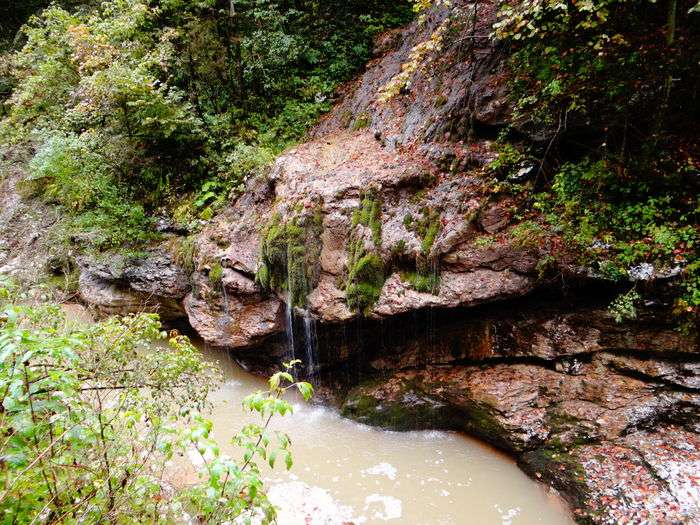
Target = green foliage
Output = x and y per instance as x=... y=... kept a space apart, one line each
x=156 y=100
x=67 y=171
x=611 y=270
x=235 y=488
x=615 y=77
x=605 y=62
x=366 y=272
x=216 y=274
x=508 y=159
x=651 y=218
x=88 y=435
x=623 y=307
x=289 y=255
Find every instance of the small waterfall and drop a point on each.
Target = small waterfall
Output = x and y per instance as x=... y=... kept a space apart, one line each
x=289 y=328
x=225 y=296
x=310 y=343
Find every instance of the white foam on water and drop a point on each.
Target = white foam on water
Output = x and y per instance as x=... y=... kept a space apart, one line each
x=392 y=507
x=301 y=504
x=382 y=469
x=507 y=515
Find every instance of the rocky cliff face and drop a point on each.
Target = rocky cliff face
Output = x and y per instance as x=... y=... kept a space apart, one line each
x=420 y=294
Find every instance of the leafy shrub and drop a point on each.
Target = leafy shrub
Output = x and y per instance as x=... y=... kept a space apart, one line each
x=623 y=307
x=66 y=170
x=89 y=435
x=652 y=219
x=603 y=63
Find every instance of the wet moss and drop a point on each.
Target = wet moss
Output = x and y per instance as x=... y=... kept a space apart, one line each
x=216 y=274
x=428 y=228
x=370 y=215
x=365 y=282
x=289 y=255
x=425 y=278
x=427 y=282
x=366 y=271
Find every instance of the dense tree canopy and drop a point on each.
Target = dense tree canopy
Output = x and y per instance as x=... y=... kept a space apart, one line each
x=153 y=100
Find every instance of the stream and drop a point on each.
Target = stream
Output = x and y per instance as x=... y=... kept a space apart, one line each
x=379 y=477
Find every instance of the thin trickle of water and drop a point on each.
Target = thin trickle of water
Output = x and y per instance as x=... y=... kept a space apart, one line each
x=289 y=328
x=225 y=296
x=310 y=343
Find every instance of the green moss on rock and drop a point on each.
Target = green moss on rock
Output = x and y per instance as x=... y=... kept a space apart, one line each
x=366 y=272
x=407 y=409
x=426 y=282
x=289 y=254
x=425 y=278
x=216 y=274
x=365 y=282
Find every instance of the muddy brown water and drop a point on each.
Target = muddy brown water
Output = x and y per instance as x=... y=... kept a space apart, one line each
x=383 y=477
x=378 y=477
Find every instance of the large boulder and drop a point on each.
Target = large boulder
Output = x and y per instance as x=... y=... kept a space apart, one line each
x=121 y=285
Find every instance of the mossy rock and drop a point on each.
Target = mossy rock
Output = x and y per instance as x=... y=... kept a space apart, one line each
x=289 y=255
x=365 y=282
x=410 y=410
x=480 y=421
x=425 y=282
x=216 y=274
x=425 y=278
x=563 y=471
x=366 y=271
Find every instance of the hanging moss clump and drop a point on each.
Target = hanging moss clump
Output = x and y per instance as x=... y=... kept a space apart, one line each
x=426 y=277
x=289 y=255
x=216 y=274
x=366 y=271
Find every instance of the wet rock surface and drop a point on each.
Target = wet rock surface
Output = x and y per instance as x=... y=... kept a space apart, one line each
x=613 y=429
x=122 y=285
x=232 y=313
